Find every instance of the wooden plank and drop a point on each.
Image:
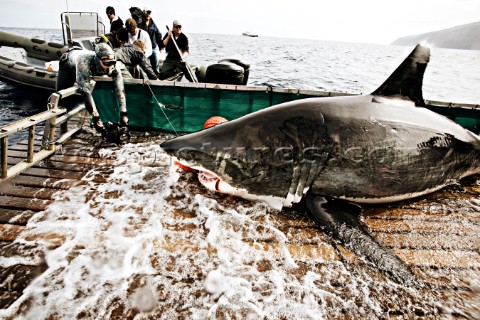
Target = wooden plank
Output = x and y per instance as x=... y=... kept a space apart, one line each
x=74 y=142
x=431 y=241
x=22 y=166
x=67 y=147
x=23 y=147
x=14 y=216
x=293 y=235
x=311 y=251
x=84 y=160
x=323 y=252
x=439 y=213
x=30 y=253
x=439 y=259
x=26 y=192
x=7 y=298
x=48 y=164
x=9 y=232
x=448 y=277
x=24 y=203
x=18 y=277
x=70 y=159
x=288 y=218
x=31 y=181
x=53 y=173
x=51 y=239
x=67 y=150
x=453 y=227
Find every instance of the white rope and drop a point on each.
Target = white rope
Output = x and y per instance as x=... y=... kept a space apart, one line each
x=161 y=106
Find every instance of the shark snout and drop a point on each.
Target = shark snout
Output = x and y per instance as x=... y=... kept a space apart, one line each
x=169 y=147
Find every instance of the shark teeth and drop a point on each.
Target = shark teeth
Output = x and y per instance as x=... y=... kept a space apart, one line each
x=213 y=182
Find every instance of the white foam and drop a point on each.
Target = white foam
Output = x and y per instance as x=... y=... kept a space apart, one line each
x=153 y=240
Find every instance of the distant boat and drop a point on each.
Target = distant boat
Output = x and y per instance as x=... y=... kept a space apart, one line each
x=249 y=34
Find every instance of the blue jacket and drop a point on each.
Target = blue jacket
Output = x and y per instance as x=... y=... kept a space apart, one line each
x=154 y=33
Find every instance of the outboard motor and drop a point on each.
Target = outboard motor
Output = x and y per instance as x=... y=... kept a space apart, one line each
x=245 y=66
x=228 y=71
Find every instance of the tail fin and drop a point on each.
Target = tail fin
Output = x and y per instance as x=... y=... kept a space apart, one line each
x=407 y=80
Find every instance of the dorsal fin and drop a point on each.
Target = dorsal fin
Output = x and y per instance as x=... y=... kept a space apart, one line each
x=407 y=80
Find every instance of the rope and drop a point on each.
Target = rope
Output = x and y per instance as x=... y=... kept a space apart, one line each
x=162 y=106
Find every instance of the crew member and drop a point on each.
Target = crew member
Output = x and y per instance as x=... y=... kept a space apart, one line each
x=133 y=56
x=175 y=59
x=155 y=37
x=115 y=22
x=78 y=66
x=138 y=34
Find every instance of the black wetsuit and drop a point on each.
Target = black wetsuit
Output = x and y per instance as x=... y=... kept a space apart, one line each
x=77 y=67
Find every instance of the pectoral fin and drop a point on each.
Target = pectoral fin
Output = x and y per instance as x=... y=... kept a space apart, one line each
x=341 y=219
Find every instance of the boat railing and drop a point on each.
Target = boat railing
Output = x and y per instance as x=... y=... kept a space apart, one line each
x=225 y=87
x=268 y=89
x=55 y=117
x=453 y=104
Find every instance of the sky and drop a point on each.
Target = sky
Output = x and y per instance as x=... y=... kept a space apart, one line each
x=365 y=21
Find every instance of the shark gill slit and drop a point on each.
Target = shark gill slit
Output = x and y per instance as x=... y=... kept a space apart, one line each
x=293 y=186
x=306 y=170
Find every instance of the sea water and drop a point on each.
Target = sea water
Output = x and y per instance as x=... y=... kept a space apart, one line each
x=151 y=243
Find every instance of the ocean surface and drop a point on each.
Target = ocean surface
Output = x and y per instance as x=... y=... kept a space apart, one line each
x=152 y=243
x=452 y=75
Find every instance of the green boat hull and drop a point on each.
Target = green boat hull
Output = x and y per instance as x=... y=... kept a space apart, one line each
x=184 y=107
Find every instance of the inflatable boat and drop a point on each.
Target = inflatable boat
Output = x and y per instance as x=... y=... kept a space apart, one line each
x=30 y=62
x=33 y=62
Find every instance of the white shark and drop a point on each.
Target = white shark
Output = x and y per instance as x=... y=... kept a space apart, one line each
x=337 y=152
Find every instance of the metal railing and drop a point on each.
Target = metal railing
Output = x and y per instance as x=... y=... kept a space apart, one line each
x=54 y=118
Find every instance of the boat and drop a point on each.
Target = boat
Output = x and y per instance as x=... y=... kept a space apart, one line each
x=33 y=62
x=184 y=107
x=172 y=106
x=249 y=34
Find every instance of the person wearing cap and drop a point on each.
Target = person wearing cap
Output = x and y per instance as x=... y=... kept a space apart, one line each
x=115 y=22
x=155 y=37
x=174 y=60
x=135 y=33
x=76 y=67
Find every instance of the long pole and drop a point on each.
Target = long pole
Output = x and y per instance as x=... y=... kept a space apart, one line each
x=192 y=76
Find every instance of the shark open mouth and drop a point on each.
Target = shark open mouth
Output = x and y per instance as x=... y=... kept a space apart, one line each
x=213 y=182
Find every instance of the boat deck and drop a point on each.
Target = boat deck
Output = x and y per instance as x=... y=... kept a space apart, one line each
x=31 y=192
x=438 y=236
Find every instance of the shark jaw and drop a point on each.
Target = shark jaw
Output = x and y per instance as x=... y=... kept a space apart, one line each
x=213 y=182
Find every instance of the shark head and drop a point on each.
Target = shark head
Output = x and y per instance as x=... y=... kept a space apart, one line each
x=260 y=156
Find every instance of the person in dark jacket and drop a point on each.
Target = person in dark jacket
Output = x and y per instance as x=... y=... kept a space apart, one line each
x=174 y=60
x=76 y=67
x=133 y=56
x=115 y=22
x=155 y=37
